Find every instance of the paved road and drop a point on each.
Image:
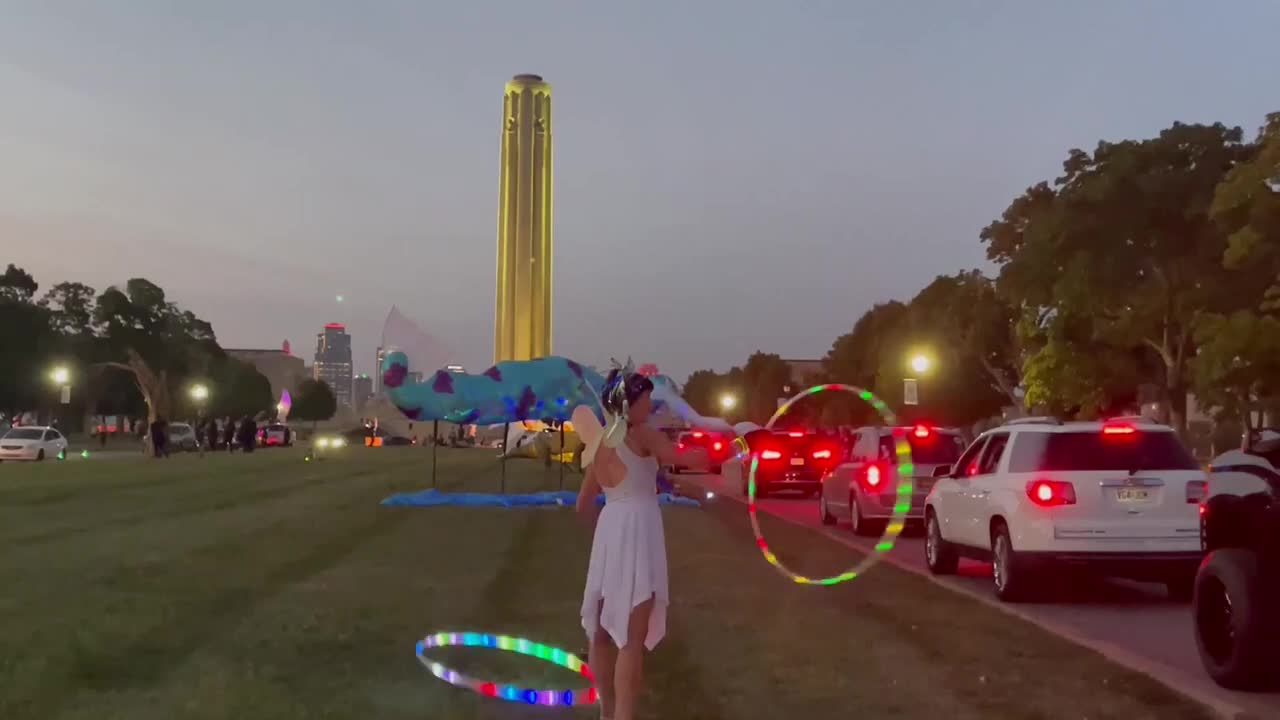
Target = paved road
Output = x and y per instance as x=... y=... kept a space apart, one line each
x=1135 y=624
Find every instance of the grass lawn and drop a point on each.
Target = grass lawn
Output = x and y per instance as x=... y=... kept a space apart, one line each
x=265 y=587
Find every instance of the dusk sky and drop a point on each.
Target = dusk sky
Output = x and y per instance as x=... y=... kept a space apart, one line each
x=729 y=176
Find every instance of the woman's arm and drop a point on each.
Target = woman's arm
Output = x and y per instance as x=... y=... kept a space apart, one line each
x=661 y=447
x=586 y=505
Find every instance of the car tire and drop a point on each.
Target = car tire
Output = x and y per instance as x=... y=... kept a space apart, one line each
x=1009 y=572
x=939 y=555
x=857 y=523
x=1237 y=630
x=40 y=455
x=823 y=511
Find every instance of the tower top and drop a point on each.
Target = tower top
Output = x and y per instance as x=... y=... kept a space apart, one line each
x=527 y=77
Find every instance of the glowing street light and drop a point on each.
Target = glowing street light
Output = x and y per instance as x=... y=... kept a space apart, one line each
x=920 y=363
x=728 y=401
x=61 y=375
x=199 y=393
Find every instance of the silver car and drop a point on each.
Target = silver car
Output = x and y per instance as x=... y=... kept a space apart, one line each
x=863 y=487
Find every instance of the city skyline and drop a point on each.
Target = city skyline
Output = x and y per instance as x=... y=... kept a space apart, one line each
x=754 y=176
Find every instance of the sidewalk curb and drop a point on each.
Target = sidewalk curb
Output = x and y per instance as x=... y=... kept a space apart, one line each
x=1172 y=678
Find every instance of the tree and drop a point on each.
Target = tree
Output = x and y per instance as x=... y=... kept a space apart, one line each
x=238 y=390
x=700 y=392
x=1237 y=364
x=71 y=307
x=315 y=401
x=26 y=343
x=158 y=343
x=765 y=378
x=1122 y=249
x=856 y=357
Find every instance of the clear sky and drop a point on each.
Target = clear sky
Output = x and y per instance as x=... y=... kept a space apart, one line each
x=729 y=175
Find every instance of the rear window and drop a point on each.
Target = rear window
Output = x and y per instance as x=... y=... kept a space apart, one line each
x=1091 y=450
x=24 y=434
x=936 y=449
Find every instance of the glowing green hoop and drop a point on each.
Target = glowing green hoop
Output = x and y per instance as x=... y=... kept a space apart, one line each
x=903 y=490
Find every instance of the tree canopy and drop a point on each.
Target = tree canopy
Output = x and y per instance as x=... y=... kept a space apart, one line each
x=315 y=401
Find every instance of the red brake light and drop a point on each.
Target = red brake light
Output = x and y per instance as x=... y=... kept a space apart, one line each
x=770 y=455
x=796 y=433
x=697 y=434
x=921 y=431
x=873 y=476
x=1046 y=493
x=1118 y=430
x=822 y=455
x=717 y=446
x=1196 y=491
x=680 y=445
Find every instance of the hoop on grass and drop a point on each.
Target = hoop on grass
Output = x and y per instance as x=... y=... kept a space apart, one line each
x=513 y=693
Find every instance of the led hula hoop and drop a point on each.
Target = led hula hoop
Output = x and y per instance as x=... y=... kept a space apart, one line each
x=902 y=490
x=513 y=693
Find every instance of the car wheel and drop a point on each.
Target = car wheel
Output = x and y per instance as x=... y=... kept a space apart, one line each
x=40 y=454
x=823 y=511
x=1008 y=571
x=939 y=555
x=1237 y=632
x=859 y=524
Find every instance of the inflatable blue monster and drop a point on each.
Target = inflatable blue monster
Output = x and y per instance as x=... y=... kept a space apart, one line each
x=548 y=388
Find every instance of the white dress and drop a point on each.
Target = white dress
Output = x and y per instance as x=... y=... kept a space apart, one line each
x=628 y=555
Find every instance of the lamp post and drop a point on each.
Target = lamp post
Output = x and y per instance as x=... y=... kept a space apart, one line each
x=920 y=364
x=728 y=402
x=61 y=377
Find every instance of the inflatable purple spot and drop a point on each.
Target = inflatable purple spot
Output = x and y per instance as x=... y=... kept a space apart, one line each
x=394 y=375
x=442 y=382
x=494 y=374
x=525 y=404
x=574 y=367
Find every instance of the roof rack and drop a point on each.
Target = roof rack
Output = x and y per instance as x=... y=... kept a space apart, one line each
x=1042 y=420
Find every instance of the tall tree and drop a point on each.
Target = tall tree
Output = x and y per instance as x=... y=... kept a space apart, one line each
x=1123 y=245
x=315 y=402
x=764 y=377
x=700 y=392
x=26 y=343
x=156 y=341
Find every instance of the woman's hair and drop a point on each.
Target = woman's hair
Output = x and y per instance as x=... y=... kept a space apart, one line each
x=620 y=387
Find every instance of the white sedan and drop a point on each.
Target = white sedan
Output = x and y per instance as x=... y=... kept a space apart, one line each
x=32 y=443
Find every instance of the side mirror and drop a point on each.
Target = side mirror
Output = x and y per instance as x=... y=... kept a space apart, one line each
x=942 y=471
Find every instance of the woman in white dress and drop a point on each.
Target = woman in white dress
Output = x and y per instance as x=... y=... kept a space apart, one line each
x=624 y=605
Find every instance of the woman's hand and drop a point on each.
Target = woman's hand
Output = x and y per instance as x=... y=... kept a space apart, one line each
x=661 y=447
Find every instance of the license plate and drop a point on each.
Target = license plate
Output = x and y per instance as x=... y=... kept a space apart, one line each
x=1132 y=494
x=797 y=461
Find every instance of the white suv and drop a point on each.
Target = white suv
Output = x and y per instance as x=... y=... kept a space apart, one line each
x=1120 y=497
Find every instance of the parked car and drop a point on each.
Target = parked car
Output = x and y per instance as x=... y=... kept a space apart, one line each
x=1236 y=605
x=275 y=435
x=32 y=442
x=786 y=460
x=1119 y=497
x=182 y=437
x=863 y=487
x=717 y=445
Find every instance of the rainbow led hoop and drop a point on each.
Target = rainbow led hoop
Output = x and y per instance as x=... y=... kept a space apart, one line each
x=903 y=490
x=513 y=693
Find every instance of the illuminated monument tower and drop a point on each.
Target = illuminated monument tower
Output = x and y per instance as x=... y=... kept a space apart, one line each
x=522 y=318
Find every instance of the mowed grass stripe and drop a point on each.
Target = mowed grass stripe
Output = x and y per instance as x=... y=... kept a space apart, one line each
x=183 y=607
x=899 y=627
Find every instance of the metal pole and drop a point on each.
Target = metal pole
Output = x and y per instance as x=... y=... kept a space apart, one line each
x=435 y=448
x=506 y=433
x=561 y=454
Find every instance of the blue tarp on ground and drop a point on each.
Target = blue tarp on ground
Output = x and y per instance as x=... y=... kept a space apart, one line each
x=435 y=498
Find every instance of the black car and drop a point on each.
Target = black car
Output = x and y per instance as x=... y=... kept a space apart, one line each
x=1236 y=602
x=785 y=460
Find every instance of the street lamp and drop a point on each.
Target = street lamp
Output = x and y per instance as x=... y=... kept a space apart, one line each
x=920 y=363
x=61 y=375
x=728 y=402
x=199 y=393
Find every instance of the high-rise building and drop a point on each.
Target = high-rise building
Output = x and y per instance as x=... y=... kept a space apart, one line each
x=522 y=317
x=361 y=391
x=377 y=370
x=333 y=361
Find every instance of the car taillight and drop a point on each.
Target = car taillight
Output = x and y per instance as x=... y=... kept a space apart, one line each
x=872 y=476
x=1046 y=493
x=770 y=455
x=717 y=446
x=1196 y=491
x=921 y=431
x=822 y=455
x=697 y=434
x=1118 y=429
x=680 y=445
x=796 y=433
